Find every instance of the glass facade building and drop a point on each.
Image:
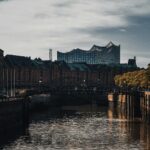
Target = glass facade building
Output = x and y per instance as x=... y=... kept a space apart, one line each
x=109 y=54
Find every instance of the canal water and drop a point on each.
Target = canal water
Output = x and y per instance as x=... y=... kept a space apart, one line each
x=82 y=128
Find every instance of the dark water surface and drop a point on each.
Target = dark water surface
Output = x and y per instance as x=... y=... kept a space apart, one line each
x=82 y=128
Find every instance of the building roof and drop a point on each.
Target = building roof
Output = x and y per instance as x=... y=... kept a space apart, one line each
x=110 y=44
x=97 y=48
x=81 y=66
x=41 y=64
x=1 y=50
x=60 y=64
x=19 y=61
x=2 y=63
x=93 y=48
x=78 y=66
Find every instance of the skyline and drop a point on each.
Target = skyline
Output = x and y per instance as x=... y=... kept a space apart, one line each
x=30 y=28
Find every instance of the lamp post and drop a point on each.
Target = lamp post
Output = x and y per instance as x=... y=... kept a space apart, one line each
x=83 y=84
x=94 y=89
x=76 y=88
x=40 y=82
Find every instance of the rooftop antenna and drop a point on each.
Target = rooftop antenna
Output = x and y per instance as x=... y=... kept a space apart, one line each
x=50 y=54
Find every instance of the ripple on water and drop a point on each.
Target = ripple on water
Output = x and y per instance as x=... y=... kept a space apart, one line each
x=81 y=132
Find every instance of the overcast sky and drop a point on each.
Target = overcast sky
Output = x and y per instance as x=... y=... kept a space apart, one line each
x=31 y=27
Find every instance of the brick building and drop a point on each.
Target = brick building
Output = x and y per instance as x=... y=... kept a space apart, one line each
x=78 y=74
x=18 y=72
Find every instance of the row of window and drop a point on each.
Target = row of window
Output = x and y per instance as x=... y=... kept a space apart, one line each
x=93 y=58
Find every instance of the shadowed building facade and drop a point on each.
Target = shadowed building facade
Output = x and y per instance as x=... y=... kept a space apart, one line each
x=3 y=67
x=109 y=54
x=20 y=72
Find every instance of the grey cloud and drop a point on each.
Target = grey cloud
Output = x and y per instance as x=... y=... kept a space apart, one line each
x=97 y=30
x=42 y=16
x=34 y=25
x=64 y=3
x=139 y=20
x=3 y=0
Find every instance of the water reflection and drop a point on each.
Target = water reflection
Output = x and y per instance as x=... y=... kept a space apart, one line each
x=88 y=127
x=137 y=131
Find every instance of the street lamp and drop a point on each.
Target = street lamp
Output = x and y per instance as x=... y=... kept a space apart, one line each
x=40 y=82
x=94 y=89
x=76 y=88
x=83 y=84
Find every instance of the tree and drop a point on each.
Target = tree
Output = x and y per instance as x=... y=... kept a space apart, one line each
x=136 y=79
x=148 y=75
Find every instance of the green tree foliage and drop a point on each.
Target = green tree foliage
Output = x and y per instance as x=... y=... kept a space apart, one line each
x=140 y=78
x=148 y=72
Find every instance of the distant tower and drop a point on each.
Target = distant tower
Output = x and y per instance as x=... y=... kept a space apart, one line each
x=50 y=54
x=135 y=58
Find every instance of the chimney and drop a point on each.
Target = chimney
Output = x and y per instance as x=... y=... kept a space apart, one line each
x=50 y=54
x=135 y=58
